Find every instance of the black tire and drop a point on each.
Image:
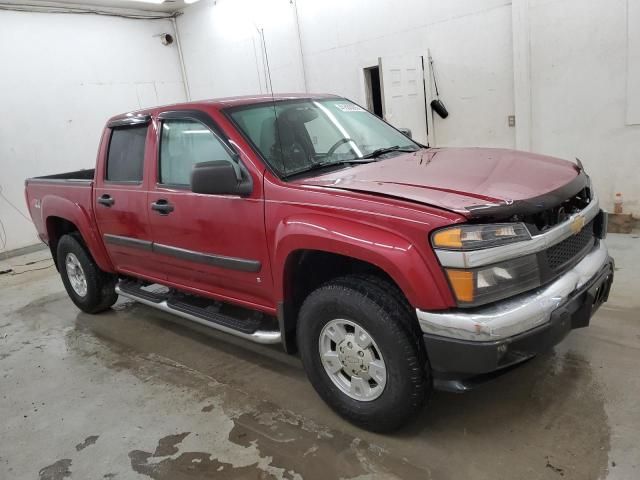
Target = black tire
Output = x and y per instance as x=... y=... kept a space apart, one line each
x=381 y=309
x=101 y=292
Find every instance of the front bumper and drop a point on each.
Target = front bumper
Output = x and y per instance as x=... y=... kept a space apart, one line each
x=463 y=343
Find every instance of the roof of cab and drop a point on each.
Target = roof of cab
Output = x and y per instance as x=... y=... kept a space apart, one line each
x=220 y=103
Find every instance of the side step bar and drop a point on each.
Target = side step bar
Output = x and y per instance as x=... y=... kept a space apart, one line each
x=265 y=337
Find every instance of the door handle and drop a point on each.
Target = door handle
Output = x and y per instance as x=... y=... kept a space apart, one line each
x=162 y=206
x=106 y=200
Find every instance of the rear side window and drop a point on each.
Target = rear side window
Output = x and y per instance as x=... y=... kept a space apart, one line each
x=183 y=144
x=126 y=154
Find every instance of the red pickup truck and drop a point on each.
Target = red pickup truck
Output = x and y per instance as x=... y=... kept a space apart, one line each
x=393 y=268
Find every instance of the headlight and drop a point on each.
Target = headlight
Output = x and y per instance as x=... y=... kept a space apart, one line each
x=475 y=237
x=494 y=282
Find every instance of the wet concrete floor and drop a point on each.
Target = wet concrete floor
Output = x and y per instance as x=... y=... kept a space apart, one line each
x=136 y=394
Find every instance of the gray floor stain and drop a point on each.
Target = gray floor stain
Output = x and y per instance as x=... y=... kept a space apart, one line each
x=56 y=471
x=168 y=445
x=87 y=442
x=315 y=452
x=187 y=465
x=40 y=304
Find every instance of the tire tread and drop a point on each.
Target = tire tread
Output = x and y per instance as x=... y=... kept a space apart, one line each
x=101 y=292
x=401 y=325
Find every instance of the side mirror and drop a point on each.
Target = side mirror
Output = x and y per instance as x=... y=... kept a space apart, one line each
x=405 y=131
x=220 y=177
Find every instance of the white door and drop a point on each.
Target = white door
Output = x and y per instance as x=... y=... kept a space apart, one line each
x=403 y=94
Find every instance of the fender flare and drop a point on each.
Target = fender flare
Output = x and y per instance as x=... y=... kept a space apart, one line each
x=55 y=206
x=392 y=253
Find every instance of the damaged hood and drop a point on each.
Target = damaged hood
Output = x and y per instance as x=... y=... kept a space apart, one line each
x=463 y=180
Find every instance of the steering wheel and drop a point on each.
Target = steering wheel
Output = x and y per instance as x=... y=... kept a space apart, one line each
x=335 y=146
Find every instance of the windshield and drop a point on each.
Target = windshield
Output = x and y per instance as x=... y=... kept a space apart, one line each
x=305 y=135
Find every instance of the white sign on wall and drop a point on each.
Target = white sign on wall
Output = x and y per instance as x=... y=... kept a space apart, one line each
x=633 y=63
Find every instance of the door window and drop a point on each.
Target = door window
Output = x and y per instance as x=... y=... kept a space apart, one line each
x=126 y=154
x=183 y=144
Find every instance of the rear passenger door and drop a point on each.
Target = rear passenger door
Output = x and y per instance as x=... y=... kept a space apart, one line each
x=210 y=244
x=120 y=197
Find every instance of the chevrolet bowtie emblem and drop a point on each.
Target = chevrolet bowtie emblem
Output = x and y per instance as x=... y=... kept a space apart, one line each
x=577 y=224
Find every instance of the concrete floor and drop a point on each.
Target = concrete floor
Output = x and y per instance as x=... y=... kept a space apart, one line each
x=136 y=394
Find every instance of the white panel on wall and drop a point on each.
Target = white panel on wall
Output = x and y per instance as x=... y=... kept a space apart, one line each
x=404 y=94
x=633 y=62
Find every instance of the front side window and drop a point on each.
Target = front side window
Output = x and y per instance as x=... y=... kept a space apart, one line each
x=183 y=144
x=298 y=136
x=126 y=154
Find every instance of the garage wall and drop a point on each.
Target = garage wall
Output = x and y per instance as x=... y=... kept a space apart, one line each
x=223 y=49
x=470 y=41
x=62 y=77
x=565 y=68
x=579 y=96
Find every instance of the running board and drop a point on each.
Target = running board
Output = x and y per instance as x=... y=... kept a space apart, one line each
x=265 y=337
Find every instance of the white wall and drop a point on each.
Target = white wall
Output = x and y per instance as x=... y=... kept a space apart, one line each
x=566 y=67
x=579 y=95
x=223 y=50
x=470 y=41
x=633 y=63
x=62 y=77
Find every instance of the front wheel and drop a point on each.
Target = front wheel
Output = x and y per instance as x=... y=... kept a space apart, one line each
x=91 y=289
x=362 y=353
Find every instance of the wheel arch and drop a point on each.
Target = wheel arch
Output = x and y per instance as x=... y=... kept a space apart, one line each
x=63 y=217
x=312 y=249
x=298 y=284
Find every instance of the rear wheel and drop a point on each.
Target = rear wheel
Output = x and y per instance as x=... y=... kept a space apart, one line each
x=91 y=289
x=362 y=352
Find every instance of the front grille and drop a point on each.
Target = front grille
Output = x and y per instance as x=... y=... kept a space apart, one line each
x=569 y=250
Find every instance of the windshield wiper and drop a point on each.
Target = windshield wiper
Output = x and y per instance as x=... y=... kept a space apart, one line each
x=321 y=165
x=368 y=158
x=381 y=151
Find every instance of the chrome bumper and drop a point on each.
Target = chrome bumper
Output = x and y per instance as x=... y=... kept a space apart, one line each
x=518 y=314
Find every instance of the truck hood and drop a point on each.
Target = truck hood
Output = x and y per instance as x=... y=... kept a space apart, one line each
x=463 y=180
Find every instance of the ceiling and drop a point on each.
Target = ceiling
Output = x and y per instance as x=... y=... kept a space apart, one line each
x=168 y=6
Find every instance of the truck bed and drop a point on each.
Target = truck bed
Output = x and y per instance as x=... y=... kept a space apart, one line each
x=67 y=195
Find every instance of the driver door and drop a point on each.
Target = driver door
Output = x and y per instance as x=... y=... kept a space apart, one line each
x=209 y=244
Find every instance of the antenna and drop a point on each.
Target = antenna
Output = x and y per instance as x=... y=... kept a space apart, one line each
x=273 y=100
x=436 y=105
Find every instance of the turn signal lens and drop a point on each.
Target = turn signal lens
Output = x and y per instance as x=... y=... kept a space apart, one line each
x=448 y=238
x=462 y=284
